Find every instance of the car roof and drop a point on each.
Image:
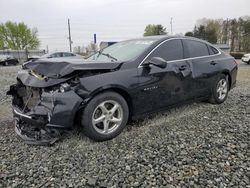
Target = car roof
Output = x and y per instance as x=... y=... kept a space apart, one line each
x=160 y=38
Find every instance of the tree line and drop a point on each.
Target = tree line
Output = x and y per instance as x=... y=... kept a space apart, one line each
x=234 y=32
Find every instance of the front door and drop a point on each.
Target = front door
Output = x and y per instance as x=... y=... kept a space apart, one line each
x=163 y=87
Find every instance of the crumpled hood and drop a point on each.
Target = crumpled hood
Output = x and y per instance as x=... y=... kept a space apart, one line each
x=47 y=73
x=59 y=69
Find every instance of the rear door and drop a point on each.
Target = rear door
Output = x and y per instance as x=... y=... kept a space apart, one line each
x=204 y=65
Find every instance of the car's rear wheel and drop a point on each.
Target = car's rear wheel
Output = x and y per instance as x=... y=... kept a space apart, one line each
x=105 y=116
x=220 y=90
x=15 y=62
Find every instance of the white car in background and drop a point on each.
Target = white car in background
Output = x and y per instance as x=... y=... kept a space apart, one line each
x=55 y=55
x=246 y=58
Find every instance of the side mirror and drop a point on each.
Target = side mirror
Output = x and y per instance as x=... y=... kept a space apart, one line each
x=156 y=61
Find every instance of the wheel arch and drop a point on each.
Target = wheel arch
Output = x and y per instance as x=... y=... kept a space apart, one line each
x=226 y=73
x=121 y=91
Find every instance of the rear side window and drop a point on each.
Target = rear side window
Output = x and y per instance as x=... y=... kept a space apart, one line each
x=56 y=55
x=68 y=54
x=170 y=50
x=196 y=48
x=212 y=50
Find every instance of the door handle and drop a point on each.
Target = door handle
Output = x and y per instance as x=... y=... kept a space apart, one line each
x=183 y=67
x=213 y=63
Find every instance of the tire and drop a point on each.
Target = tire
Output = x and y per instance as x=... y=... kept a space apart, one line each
x=16 y=62
x=220 y=90
x=6 y=63
x=105 y=116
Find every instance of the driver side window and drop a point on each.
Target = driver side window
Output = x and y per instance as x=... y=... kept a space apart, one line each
x=169 y=50
x=55 y=55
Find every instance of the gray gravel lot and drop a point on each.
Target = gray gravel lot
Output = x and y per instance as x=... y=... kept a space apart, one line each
x=196 y=145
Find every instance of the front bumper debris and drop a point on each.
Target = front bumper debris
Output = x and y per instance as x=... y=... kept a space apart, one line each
x=33 y=136
x=32 y=132
x=41 y=119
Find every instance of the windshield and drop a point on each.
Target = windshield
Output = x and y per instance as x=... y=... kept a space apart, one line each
x=122 y=51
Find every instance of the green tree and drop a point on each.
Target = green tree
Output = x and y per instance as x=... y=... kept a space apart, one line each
x=204 y=32
x=152 y=29
x=244 y=33
x=18 y=36
x=211 y=35
x=234 y=32
x=189 y=34
x=200 y=32
x=1 y=44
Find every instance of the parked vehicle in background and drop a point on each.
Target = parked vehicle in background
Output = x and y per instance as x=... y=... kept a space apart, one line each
x=55 y=55
x=123 y=81
x=105 y=44
x=8 y=60
x=246 y=58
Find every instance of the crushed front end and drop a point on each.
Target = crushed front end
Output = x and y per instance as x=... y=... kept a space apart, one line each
x=47 y=96
x=40 y=113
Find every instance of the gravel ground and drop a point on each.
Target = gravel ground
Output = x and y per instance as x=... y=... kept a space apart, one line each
x=196 y=145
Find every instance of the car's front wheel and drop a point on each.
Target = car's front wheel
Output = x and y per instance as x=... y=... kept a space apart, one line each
x=105 y=116
x=220 y=90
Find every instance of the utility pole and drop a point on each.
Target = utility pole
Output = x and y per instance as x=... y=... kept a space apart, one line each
x=94 y=38
x=70 y=41
x=227 y=33
x=171 y=23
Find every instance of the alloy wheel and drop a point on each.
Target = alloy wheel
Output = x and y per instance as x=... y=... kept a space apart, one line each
x=222 y=89
x=107 y=117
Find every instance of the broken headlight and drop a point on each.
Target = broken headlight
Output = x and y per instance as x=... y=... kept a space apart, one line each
x=64 y=87
x=71 y=84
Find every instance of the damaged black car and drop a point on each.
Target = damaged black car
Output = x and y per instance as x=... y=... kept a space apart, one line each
x=127 y=80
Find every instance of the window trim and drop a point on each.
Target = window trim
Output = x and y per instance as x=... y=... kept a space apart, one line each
x=185 y=59
x=210 y=48
x=189 y=45
x=181 y=44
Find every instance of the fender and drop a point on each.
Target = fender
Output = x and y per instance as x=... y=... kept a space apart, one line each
x=113 y=87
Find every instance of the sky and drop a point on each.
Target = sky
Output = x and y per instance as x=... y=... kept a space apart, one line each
x=112 y=20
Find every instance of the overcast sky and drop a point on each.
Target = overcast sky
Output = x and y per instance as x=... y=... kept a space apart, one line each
x=112 y=20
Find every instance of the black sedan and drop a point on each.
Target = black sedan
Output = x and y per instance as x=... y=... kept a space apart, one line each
x=127 y=80
x=6 y=60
